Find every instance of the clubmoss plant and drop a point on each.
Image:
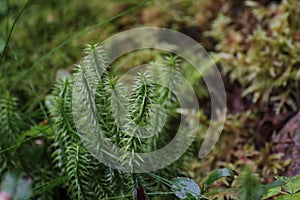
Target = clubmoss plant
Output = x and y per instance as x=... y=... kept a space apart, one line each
x=71 y=157
x=10 y=123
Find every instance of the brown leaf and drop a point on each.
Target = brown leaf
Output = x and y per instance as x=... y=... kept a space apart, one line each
x=287 y=141
x=268 y=124
x=140 y=193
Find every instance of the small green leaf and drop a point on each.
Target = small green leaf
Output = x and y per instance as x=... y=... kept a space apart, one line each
x=273 y=189
x=272 y=192
x=263 y=190
x=274 y=184
x=292 y=183
x=289 y=197
x=185 y=187
x=217 y=174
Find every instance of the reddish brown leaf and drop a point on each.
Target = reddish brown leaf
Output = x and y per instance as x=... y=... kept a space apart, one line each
x=287 y=141
x=140 y=193
x=268 y=124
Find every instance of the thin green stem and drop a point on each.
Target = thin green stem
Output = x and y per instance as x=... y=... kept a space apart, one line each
x=11 y=30
x=78 y=34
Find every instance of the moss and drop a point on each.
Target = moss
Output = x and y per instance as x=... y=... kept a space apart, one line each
x=260 y=51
